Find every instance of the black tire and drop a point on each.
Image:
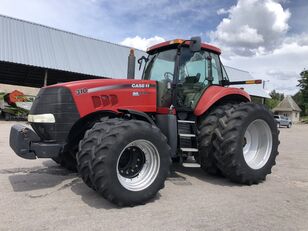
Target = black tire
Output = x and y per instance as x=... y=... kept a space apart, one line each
x=67 y=158
x=57 y=160
x=206 y=127
x=108 y=140
x=289 y=125
x=85 y=151
x=230 y=143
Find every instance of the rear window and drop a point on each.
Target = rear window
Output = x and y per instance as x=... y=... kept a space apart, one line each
x=277 y=117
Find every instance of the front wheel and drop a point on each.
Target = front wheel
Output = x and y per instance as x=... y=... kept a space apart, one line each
x=129 y=162
x=247 y=143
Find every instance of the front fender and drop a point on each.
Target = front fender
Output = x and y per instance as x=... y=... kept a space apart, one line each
x=215 y=93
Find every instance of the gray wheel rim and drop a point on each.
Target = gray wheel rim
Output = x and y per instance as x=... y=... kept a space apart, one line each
x=149 y=170
x=257 y=145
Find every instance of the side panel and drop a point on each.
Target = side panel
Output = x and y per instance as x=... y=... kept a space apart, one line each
x=215 y=93
x=111 y=95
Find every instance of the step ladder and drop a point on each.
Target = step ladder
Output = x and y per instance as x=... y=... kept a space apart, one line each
x=187 y=137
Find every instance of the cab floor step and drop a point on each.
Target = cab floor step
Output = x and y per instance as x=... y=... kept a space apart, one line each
x=187 y=135
x=189 y=150
x=186 y=121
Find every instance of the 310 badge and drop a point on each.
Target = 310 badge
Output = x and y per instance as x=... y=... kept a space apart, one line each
x=81 y=91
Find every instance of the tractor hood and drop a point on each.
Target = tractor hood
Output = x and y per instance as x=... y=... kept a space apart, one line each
x=112 y=94
x=94 y=85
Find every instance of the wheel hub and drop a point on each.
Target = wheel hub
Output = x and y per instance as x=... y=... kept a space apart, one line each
x=257 y=144
x=131 y=162
x=138 y=165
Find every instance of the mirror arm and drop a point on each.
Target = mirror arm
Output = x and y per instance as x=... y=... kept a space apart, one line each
x=140 y=60
x=210 y=70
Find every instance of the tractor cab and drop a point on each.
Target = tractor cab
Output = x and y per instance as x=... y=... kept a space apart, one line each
x=183 y=70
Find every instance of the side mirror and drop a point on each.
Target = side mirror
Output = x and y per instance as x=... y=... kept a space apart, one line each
x=140 y=61
x=195 y=44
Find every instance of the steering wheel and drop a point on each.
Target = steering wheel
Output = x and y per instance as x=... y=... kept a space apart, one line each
x=166 y=75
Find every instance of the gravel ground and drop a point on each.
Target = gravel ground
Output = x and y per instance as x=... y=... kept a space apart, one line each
x=39 y=195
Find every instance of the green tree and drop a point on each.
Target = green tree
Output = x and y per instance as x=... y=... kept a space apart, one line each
x=303 y=85
x=275 y=100
x=301 y=98
x=276 y=95
x=298 y=98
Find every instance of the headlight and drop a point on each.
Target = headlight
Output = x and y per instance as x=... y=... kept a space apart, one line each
x=42 y=118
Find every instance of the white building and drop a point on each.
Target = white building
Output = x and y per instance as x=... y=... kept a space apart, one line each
x=30 y=52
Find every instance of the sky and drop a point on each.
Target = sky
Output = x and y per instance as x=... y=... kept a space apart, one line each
x=268 y=38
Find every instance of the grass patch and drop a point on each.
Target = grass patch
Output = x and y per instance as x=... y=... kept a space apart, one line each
x=304 y=119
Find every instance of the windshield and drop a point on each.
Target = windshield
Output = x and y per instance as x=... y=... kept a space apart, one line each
x=160 y=66
x=196 y=64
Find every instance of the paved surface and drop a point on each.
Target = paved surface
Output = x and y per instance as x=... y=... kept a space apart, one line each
x=39 y=195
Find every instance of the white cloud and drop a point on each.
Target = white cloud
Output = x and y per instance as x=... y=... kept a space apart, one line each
x=252 y=25
x=142 y=43
x=222 y=11
x=254 y=36
x=281 y=67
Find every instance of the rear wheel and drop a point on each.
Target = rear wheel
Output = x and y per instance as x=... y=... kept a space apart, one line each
x=129 y=161
x=247 y=143
x=207 y=125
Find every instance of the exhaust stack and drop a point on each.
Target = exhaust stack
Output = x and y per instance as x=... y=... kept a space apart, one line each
x=131 y=64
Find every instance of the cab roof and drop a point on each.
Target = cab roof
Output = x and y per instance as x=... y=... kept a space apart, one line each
x=175 y=42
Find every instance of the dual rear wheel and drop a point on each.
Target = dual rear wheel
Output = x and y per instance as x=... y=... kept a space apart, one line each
x=243 y=143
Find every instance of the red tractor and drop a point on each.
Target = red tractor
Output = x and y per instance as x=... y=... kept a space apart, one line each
x=122 y=134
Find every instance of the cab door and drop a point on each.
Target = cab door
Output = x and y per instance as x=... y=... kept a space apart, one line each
x=160 y=67
x=194 y=74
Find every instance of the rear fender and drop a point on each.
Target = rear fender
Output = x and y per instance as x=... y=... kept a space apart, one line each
x=215 y=94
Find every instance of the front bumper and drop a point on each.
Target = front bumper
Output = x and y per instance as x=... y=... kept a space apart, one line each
x=27 y=144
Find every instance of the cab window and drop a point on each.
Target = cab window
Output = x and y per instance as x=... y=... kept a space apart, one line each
x=196 y=64
x=160 y=66
x=193 y=75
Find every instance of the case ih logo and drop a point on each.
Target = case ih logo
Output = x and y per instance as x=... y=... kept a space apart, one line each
x=141 y=85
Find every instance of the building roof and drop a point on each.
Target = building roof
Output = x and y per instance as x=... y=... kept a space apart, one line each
x=287 y=104
x=32 y=44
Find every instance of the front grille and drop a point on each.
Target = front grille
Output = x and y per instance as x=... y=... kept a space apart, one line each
x=59 y=102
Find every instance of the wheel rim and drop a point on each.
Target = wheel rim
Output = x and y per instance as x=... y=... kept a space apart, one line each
x=138 y=165
x=257 y=144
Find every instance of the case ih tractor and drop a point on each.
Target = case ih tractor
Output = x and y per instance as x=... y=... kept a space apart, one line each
x=122 y=134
